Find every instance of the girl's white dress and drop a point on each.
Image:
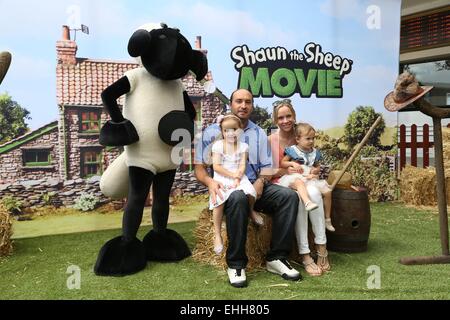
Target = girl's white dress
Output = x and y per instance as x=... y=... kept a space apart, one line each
x=231 y=163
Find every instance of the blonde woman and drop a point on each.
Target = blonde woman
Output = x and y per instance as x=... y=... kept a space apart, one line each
x=284 y=116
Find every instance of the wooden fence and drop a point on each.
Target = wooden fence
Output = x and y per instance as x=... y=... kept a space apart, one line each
x=414 y=144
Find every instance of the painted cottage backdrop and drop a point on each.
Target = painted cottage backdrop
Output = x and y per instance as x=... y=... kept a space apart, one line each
x=65 y=156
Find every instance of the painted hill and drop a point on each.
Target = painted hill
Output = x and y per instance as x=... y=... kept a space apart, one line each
x=386 y=137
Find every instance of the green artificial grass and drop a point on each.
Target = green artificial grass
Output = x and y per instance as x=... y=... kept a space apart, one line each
x=37 y=269
x=93 y=221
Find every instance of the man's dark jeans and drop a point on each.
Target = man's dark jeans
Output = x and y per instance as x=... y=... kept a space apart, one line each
x=280 y=203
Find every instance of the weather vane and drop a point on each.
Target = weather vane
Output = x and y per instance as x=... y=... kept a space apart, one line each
x=84 y=29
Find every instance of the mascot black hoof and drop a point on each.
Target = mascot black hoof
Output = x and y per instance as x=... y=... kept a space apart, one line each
x=165 y=247
x=118 y=134
x=119 y=258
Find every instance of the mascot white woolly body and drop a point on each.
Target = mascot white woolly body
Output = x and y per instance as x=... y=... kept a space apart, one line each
x=156 y=106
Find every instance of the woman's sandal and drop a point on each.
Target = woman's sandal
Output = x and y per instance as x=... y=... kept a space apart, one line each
x=312 y=269
x=323 y=262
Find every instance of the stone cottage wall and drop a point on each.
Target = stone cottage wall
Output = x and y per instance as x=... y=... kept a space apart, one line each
x=11 y=162
x=212 y=107
x=32 y=192
x=186 y=184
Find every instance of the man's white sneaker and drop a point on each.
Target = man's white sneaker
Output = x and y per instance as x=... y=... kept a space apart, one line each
x=237 y=278
x=284 y=269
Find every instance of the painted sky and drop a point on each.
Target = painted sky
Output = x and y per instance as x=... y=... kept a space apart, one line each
x=339 y=26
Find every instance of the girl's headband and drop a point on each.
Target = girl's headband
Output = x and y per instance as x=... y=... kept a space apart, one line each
x=222 y=118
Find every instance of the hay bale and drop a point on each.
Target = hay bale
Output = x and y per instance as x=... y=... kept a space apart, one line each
x=258 y=243
x=344 y=183
x=418 y=186
x=446 y=134
x=6 y=247
x=446 y=143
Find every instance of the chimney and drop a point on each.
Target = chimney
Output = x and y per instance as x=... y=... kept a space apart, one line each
x=198 y=45
x=66 y=49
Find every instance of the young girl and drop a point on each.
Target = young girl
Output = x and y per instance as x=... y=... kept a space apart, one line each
x=304 y=157
x=229 y=158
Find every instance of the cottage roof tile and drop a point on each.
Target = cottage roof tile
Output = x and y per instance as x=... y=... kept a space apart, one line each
x=81 y=84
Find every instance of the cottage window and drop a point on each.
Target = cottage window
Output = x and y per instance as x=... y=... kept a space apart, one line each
x=36 y=158
x=90 y=121
x=91 y=163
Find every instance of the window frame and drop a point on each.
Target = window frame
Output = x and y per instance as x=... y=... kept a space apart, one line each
x=83 y=163
x=36 y=164
x=98 y=113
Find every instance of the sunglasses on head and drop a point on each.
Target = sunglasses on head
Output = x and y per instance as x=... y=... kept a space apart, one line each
x=282 y=102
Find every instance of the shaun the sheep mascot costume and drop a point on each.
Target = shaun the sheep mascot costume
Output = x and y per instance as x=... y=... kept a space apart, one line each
x=156 y=106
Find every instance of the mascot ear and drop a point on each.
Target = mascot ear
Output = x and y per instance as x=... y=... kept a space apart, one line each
x=139 y=43
x=199 y=64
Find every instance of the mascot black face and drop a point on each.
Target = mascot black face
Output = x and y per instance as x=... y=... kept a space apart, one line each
x=166 y=53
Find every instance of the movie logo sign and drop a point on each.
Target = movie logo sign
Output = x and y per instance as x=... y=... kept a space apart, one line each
x=278 y=72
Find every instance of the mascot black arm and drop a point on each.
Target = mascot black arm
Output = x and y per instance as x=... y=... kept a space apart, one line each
x=110 y=96
x=188 y=106
x=119 y=131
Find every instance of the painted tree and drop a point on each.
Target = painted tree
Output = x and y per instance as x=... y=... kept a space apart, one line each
x=12 y=119
x=359 y=123
x=261 y=117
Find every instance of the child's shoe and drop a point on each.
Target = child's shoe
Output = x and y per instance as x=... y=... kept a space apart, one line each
x=218 y=249
x=309 y=206
x=329 y=226
x=218 y=245
x=257 y=219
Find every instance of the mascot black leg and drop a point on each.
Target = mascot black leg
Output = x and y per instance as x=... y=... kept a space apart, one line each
x=125 y=255
x=161 y=243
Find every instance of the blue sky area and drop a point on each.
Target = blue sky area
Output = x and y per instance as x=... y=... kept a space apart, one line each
x=32 y=28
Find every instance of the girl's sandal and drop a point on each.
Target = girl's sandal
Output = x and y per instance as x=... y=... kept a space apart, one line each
x=257 y=219
x=322 y=261
x=312 y=269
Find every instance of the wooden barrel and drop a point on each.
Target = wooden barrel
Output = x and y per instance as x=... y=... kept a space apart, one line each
x=351 y=218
